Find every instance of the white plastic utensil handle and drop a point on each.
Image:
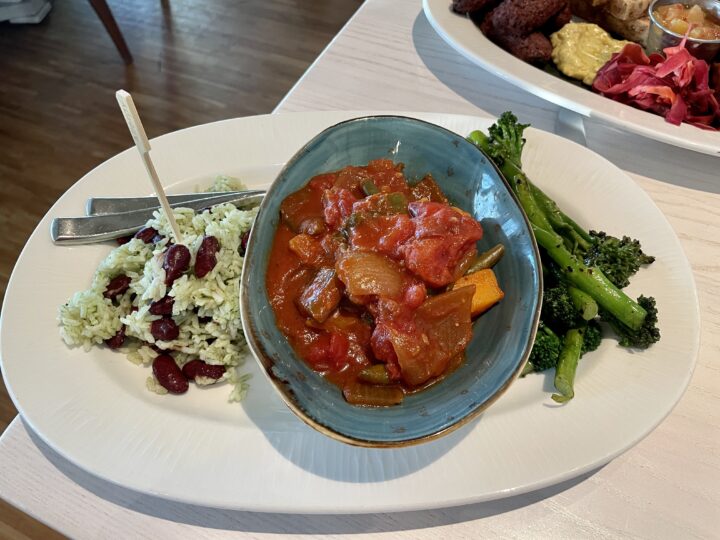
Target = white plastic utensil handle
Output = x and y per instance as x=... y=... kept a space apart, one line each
x=143 y=145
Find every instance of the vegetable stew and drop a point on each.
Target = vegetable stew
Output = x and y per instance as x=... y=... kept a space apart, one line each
x=364 y=278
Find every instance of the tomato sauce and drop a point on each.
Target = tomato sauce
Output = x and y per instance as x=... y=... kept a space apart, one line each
x=358 y=277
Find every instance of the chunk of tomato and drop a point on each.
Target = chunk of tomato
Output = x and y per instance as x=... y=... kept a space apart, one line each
x=329 y=352
x=443 y=237
x=383 y=234
x=337 y=206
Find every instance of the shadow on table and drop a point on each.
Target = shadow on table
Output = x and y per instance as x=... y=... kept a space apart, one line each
x=232 y=520
x=489 y=92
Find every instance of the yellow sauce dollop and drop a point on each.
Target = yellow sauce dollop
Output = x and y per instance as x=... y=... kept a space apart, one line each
x=581 y=49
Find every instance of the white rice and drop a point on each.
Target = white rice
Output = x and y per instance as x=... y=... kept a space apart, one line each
x=89 y=319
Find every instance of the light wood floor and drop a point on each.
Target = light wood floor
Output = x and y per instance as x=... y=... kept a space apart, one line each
x=195 y=62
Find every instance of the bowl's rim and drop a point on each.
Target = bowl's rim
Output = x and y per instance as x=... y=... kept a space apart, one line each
x=259 y=352
x=655 y=22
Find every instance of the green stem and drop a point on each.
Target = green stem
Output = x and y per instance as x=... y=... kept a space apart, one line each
x=521 y=185
x=561 y=224
x=567 y=365
x=591 y=281
x=577 y=228
x=519 y=182
x=584 y=303
x=549 y=203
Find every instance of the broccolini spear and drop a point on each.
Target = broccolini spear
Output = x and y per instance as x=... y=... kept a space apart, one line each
x=584 y=271
x=563 y=240
x=618 y=259
x=576 y=343
x=591 y=280
x=567 y=365
x=643 y=337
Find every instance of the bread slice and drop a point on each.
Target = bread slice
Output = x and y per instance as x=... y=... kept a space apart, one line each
x=627 y=10
x=632 y=29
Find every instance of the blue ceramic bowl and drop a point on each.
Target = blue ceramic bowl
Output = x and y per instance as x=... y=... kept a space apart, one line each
x=502 y=337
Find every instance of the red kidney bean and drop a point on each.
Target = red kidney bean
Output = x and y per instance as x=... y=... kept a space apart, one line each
x=198 y=368
x=206 y=257
x=164 y=329
x=147 y=235
x=123 y=240
x=117 y=286
x=168 y=374
x=243 y=242
x=177 y=260
x=163 y=306
x=117 y=340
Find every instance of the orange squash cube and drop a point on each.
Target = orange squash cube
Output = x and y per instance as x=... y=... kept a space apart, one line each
x=487 y=291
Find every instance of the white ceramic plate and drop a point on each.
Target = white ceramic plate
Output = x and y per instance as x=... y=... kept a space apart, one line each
x=465 y=37
x=92 y=407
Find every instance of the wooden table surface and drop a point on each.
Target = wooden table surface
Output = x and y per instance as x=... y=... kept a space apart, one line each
x=668 y=486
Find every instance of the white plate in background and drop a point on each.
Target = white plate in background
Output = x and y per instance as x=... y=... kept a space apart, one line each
x=465 y=37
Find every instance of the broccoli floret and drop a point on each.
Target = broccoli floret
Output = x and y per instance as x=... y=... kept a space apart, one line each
x=558 y=309
x=552 y=275
x=619 y=259
x=504 y=142
x=592 y=337
x=545 y=351
x=643 y=337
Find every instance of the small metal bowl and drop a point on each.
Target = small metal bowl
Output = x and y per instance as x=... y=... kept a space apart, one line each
x=660 y=37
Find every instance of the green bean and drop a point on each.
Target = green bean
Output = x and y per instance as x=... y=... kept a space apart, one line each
x=487 y=259
x=369 y=187
x=397 y=203
x=376 y=374
x=372 y=395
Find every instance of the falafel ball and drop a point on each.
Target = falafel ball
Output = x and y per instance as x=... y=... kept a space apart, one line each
x=469 y=6
x=557 y=21
x=534 y=48
x=523 y=17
